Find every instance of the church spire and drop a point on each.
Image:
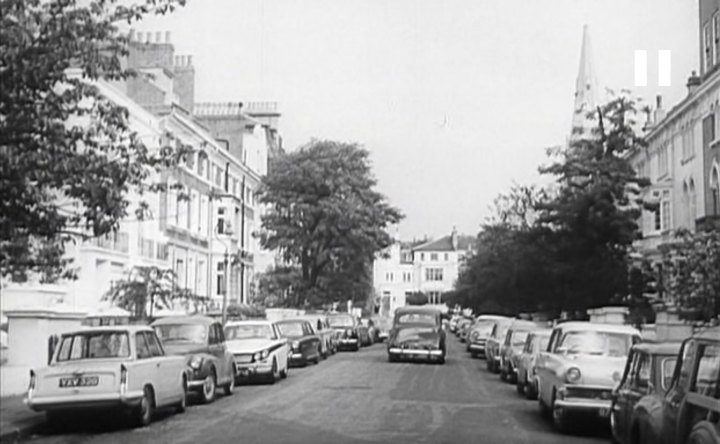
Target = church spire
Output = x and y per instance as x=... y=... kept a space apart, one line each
x=586 y=90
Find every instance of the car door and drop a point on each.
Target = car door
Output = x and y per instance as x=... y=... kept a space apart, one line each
x=221 y=353
x=159 y=373
x=145 y=365
x=544 y=367
x=673 y=402
x=312 y=341
x=622 y=408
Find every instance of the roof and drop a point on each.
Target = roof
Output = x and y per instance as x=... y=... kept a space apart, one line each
x=104 y=328
x=174 y=320
x=709 y=333
x=541 y=332
x=596 y=326
x=291 y=321
x=519 y=324
x=445 y=244
x=659 y=348
x=249 y=322
x=491 y=317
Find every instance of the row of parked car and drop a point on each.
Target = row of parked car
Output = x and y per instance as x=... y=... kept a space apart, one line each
x=140 y=368
x=646 y=391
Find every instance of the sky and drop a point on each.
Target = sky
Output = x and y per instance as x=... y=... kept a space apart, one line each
x=456 y=100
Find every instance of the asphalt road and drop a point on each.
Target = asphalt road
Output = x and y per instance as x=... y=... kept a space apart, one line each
x=351 y=398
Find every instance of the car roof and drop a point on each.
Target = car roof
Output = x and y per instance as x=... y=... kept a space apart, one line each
x=596 y=326
x=108 y=328
x=193 y=319
x=291 y=321
x=659 y=348
x=418 y=309
x=249 y=322
x=518 y=324
x=491 y=317
x=712 y=333
x=541 y=332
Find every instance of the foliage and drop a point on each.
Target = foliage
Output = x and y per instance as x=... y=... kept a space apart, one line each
x=564 y=248
x=326 y=217
x=416 y=298
x=68 y=157
x=275 y=287
x=150 y=288
x=691 y=271
x=242 y=311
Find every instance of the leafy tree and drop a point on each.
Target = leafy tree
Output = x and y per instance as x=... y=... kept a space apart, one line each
x=691 y=271
x=275 y=287
x=68 y=157
x=150 y=288
x=326 y=217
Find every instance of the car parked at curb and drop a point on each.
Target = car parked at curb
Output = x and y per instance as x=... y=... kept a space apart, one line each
x=259 y=350
x=637 y=400
x=511 y=348
x=202 y=341
x=304 y=343
x=347 y=328
x=328 y=345
x=494 y=342
x=479 y=333
x=691 y=407
x=417 y=334
x=580 y=368
x=109 y=367
x=383 y=325
x=526 y=377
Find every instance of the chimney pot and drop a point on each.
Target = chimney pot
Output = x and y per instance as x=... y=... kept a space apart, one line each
x=658 y=100
x=693 y=82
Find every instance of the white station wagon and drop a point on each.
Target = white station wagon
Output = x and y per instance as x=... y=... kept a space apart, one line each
x=581 y=366
x=109 y=367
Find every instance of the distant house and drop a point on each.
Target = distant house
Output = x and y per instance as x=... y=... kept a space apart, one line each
x=431 y=267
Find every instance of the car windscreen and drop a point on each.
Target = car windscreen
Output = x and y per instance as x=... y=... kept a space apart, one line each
x=193 y=333
x=599 y=343
x=668 y=367
x=341 y=321
x=416 y=318
x=518 y=337
x=293 y=329
x=249 y=331
x=542 y=342
x=94 y=345
x=484 y=327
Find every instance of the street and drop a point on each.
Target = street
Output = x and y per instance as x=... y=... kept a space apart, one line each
x=352 y=398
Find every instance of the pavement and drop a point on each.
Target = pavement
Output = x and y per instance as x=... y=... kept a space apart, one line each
x=355 y=398
x=16 y=420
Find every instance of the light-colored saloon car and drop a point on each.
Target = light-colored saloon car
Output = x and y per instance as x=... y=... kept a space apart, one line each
x=479 y=332
x=525 y=371
x=109 y=367
x=583 y=363
x=494 y=344
x=259 y=350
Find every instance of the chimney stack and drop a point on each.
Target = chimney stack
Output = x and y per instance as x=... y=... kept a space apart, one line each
x=659 y=111
x=693 y=82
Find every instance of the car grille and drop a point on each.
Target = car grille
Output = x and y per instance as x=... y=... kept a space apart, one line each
x=417 y=346
x=587 y=392
x=480 y=341
x=243 y=359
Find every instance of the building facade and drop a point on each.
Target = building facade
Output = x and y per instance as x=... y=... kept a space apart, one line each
x=431 y=268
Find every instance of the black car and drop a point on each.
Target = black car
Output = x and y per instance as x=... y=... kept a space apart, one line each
x=304 y=343
x=417 y=334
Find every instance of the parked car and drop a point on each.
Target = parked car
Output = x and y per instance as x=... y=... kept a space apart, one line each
x=511 y=348
x=691 y=407
x=327 y=335
x=479 y=333
x=372 y=331
x=493 y=343
x=637 y=400
x=202 y=341
x=526 y=377
x=364 y=333
x=348 y=330
x=259 y=349
x=417 y=333
x=109 y=367
x=581 y=366
x=304 y=343
x=453 y=323
x=463 y=327
x=383 y=325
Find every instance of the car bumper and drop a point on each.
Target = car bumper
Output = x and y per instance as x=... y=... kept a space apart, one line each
x=348 y=342
x=478 y=348
x=297 y=359
x=250 y=370
x=599 y=407
x=101 y=400
x=413 y=353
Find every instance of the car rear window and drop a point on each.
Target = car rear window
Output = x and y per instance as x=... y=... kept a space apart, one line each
x=416 y=318
x=93 y=345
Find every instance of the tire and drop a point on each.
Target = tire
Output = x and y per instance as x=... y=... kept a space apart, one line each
x=274 y=374
x=531 y=392
x=441 y=361
x=284 y=372
x=207 y=391
x=503 y=375
x=520 y=387
x=392 y=358
x=357 y=347
x=181 y=406
x=473 y=355
x=488 y=365
x=544 y=409
x=559 y=417
x=512 y=377
x=142 y=414
x=229 y=388
x=703 y=433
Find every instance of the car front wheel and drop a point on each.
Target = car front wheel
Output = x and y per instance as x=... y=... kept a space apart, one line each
x=207 y=391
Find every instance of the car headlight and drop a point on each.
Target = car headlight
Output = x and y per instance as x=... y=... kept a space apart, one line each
x=196 y=362
x=295 y=345
x=261 y=356
x=573 y=374
x=349 y=332
x=474 y=335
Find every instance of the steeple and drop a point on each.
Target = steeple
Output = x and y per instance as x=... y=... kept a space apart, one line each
x=586 y=90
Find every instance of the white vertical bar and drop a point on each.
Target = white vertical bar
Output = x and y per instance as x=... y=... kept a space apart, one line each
x=640 y=67
x=664 y=67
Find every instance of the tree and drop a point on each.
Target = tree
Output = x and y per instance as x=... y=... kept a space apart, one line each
x=68 y=157
x=325 y=216
x=150 y=288
x=691 y=272
x=275 y=287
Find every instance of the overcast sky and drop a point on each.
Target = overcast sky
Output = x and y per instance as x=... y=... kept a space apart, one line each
x=455 y=99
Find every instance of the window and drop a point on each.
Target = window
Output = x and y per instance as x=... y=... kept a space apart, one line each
x=446 y=256
x=182 y=208
x=203 y=215
x=162 y=251
x=663 y=160
x=221 y=222
x=195 y=209
x=708 y=367
x=212 y=337
x=692 y=203
x=200 y=276
x=641 y=371
x=389 y=277
x=146 y=247
x=94 y=345
x=220 y=287
x=218 y=176
x=707 y=47
x=141 y=347
x=433 y=274
x=172 y=204
x=180 y=272
x=687 y=136
x=422 y=256
x=716 y=36
x=665 y=211
x=190 y=161
x=153 y=344
x=715 y=190
x=201 y=164
x=433 y=256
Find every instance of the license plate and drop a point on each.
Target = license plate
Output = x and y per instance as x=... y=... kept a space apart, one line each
x=244 y=372
x=604 y=412
x=83 y=381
